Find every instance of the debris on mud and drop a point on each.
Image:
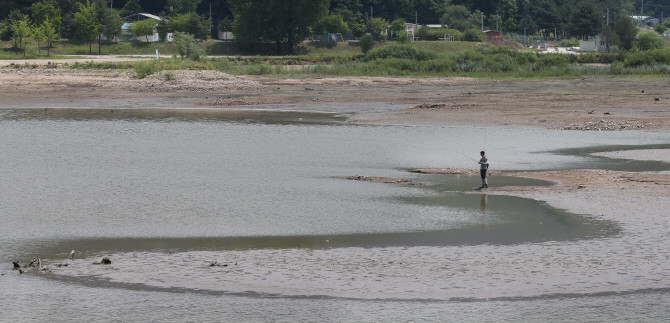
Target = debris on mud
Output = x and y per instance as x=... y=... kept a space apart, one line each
x=388 y=180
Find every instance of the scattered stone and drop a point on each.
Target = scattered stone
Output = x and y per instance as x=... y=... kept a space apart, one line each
x=657 y=99
x=581 y=186
x=21 y=271
x=106 y=261
x=437 y=106
x=16 y=264
x=607 y=112
x=592 y=111
x=603 y=125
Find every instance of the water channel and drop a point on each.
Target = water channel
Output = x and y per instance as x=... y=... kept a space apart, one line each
x=111 y=182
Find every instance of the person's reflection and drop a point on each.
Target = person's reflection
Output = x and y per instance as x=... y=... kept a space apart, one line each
x=483 y=204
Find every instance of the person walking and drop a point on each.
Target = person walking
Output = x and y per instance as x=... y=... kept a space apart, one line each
x=484 y=166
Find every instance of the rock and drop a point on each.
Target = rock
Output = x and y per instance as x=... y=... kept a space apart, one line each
x=607 y=112
x=106 y=261
x=16 y=264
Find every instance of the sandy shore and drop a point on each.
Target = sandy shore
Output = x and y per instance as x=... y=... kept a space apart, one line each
x=638 y=202
x=550 y=104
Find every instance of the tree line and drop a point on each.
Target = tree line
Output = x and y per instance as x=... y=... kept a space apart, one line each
x=285 y=23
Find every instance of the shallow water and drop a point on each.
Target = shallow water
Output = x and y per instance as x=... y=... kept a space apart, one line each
x=104 y=182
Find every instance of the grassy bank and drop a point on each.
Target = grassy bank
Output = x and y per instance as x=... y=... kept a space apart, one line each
x=412 y=61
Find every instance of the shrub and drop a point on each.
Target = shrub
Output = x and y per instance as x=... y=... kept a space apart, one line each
x=400 y=51
x=554 y=60
x=651 y=57
x=144 y=69
x=437 y=33
x=569 y=42
x=187 y=46
x=366 y=43
x=649 y=40
x=475 y=35
x=403 y=38
x=660 y=28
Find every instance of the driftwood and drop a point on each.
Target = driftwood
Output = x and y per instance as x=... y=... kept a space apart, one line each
x=71 y=256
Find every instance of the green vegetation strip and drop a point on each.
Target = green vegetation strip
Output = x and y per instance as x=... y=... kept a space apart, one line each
x=412 y=61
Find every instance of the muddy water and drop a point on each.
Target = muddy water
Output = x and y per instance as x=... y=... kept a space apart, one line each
x=115 y=182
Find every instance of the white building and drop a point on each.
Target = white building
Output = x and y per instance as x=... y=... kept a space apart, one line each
x=593 y=44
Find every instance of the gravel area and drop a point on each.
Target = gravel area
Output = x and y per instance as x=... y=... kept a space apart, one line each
x=603 y=125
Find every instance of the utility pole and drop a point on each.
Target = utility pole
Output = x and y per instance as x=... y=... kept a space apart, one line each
x=416 y=18
x=497 y=20
x=210 y=20
x=111 y=4
x=371 y=10
x=482 y=21
x=608 y=17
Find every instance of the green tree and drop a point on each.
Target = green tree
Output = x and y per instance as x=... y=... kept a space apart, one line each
x=650 y=40
x=50 y=34
x=611 y=38
x=191 y=23
x=546 y=14
x=22 y=30
x=187 y=46
x=131 y=7
x=457 y=17
x=46 y=10
x=39 y=36
x=528 y=24
x=109 y=24
x=334 y=24
x=626 y=32
x=184 y=6
x=357 y=29
x=584 y=20
x=7 y=32
x=142 y=28
x=283 y=22
x=397 y=26
x=86 y=24
x=377 y=26
x=163 y=27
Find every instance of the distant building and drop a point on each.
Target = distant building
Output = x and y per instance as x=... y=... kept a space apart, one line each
x=593 y=44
